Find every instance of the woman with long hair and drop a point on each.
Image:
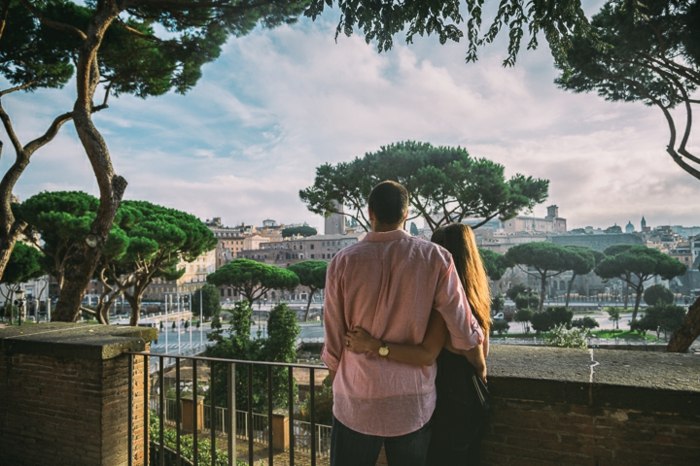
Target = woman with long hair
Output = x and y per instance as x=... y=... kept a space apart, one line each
x=458 y=421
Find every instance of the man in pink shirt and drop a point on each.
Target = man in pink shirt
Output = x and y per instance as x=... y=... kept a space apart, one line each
x=388 y=283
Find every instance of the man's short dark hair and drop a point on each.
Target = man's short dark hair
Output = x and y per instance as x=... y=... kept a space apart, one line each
x=389 y=202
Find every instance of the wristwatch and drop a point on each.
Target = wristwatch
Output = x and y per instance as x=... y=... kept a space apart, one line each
x=383 y=350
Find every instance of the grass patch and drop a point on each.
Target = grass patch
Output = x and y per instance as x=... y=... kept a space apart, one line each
x=623 y=335
x=601 y=334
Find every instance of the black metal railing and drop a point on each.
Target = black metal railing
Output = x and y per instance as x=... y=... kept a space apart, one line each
x=186 y=422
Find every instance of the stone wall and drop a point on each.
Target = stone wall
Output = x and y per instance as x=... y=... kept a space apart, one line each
x=596 y=407
x=64 y=395
x=64 y=400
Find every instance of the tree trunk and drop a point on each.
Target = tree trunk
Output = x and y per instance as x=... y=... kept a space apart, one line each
x=104 y=304
x=8 y=238
x=83 y=259
x=689 y=331
x=637 y=300
x=308 y=304
x=10 y=228
x=135 y=303
x=543 y=286
x=568 y=290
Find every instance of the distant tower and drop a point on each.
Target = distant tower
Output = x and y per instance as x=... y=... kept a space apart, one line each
x=629 y=228
x=644 y=224
x=552 y=212
x=335 y=222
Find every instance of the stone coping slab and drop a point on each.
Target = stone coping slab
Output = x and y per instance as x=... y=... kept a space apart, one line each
x=597 y=377
x=87 y=341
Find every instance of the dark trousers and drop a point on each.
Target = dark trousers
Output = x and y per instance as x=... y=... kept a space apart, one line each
x=351 y=448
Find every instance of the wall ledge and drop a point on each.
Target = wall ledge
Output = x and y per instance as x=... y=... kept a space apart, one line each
x=599 y=378
x=75 y=340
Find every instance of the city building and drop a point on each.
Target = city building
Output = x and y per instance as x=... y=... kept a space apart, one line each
x=194 y=277
x=552 y=223
x=334 y=223
x=291 y=250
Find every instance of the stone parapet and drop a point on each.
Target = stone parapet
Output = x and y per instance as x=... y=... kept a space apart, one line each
x=64 y=391
x=556 y=406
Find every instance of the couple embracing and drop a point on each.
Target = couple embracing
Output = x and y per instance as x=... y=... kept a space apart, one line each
x=394 y=305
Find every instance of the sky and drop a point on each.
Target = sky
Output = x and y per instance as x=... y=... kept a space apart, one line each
x=279 y=103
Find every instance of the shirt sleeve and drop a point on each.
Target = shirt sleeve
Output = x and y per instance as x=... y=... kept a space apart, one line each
x=333 y=319
x=451 y=303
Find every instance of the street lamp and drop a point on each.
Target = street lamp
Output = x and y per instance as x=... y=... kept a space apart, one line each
x=19 y=303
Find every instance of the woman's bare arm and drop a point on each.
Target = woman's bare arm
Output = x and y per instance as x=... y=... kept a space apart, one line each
x=422 y=354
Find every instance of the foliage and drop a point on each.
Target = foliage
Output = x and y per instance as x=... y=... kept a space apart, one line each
x=523 y=316
x=527 y=300
x=208 y=296
x=139 y=47
x=561 y=315
x=494 y=263
x=253 y=279
x=25 y=264
x=323 y=405
x=500 y=327
x=303 y=230
x=637 y=264
x=187 y=445
x=665 y=318
x=658 y=294
x=563 y=337
x=56 y=222
x=515 y=290
x=582 y=260
x=312 y=274
x=585 y=322
x=614 y=314
x=541 y=321
x=497 y=303
x=279 y=346
x=445 y=184
x=146 y=242
x=380 y=22
x=158 y=238
x=645 y=52
x=544 y=321
x=545 y=259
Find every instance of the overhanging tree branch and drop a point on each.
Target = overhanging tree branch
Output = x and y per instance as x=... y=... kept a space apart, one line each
x=57 y=25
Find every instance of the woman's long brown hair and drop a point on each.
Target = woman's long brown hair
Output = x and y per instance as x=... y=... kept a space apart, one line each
x=460 y=241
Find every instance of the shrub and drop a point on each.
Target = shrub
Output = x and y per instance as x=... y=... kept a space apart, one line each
x=586 y=322
x=657 y=295
x=661 y=318
x=187 y=446
x=614 y=314
x=561 y=315
x=562 y=337
x=515 y=290
x=497 y=303
x=524 y=316
x=500 y=327
x=527 y=300
x=542 y=321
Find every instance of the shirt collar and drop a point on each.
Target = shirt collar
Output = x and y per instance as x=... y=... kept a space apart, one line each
x=393 y=235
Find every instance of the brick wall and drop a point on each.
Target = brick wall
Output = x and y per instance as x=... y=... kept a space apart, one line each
x=64 y=392
x=592 y=407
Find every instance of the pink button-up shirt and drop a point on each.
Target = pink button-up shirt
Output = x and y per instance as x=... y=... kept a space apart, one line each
x=387 y=284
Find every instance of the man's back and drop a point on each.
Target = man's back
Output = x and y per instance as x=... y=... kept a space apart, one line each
x=387 y=284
